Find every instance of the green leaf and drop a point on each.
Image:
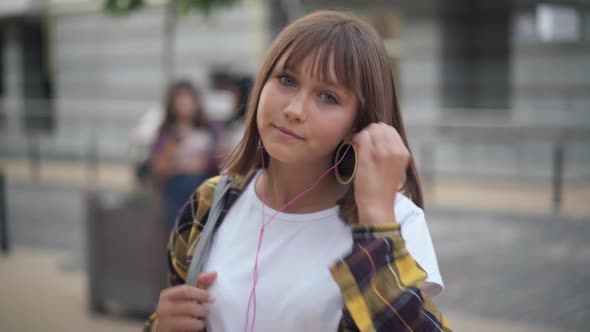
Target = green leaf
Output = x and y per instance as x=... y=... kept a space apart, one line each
x=202 y=6
x=122 y=7
x=183 y=7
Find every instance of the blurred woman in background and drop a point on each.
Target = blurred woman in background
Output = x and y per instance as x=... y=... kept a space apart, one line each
x=181 y=157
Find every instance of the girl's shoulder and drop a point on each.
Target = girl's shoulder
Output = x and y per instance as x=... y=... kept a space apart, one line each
x=406 y=210
x=209 y=185
x=237 y=183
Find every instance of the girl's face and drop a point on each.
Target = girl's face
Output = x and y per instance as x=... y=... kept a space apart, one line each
x=301 y=119
x=185 y=106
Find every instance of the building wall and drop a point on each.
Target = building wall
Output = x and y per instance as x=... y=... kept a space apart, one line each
x=108 y=70
x=420 y=64
x=537 y=83
x=550 y=79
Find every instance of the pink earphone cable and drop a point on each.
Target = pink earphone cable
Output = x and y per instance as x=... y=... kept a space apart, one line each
x=252 y=299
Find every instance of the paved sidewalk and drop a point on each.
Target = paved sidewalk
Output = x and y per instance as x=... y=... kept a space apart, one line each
x=38 y=296
x=503 y=272
x=531 y=199
x=525 y=271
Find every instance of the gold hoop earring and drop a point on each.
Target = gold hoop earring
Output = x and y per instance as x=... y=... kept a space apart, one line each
x=337 y=158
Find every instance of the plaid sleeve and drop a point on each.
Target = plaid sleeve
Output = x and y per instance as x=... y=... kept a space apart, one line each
x=184 y=236
x=380 y=284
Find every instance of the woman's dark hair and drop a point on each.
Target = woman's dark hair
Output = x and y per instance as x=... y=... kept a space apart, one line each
x=199 y=118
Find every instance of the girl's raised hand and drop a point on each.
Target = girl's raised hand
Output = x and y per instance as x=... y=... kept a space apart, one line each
x=382 y=162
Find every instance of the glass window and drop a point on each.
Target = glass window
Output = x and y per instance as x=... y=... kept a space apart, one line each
x=558 y=23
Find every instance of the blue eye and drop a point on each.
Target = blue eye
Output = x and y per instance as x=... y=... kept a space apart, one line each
x=287 y=80
x=329 y=98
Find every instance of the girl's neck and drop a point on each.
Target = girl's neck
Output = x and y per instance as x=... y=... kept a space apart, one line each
x=285 y=182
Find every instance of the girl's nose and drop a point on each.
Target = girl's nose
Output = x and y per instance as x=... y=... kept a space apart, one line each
x=295 y=109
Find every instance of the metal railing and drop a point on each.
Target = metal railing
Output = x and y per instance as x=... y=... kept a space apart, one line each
x=475 y=131
x=91 y=132
x=4 y=244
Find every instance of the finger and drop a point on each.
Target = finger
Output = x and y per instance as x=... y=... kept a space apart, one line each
x=387 y=139
x=362 y=143
x=382 y=139
x=186 y=324
x=399 y=147
x=395 y=137
x=189 y=309
x=375 y=130
x=188 y=293
x=205 y=279
x=361 y=138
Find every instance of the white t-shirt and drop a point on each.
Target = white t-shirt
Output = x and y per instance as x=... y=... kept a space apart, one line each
x=195 y=142
x=294 y=265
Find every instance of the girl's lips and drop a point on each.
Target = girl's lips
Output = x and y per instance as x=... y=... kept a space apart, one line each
x=288 y=132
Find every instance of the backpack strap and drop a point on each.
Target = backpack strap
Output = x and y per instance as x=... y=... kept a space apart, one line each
x=203 y=247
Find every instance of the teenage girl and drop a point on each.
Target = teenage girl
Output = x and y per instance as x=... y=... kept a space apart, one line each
x=322 y=227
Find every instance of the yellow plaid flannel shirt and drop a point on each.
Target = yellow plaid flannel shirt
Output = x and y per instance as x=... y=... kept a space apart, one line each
x=379 y=280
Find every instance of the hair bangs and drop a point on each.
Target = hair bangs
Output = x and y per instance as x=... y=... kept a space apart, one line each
x=333 y=55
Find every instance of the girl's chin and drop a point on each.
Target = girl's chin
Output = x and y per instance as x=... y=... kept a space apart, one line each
x=283 y=157
x=291 y=158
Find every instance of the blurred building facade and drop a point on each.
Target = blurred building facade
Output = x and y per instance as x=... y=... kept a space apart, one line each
x=506 y=61
x=106 y=71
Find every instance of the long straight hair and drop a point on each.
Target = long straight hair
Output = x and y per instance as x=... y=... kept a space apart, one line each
x=350 y=47
x=199 y=119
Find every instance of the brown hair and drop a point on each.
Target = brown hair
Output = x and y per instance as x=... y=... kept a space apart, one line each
x=361 y=65
x=199 y=119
